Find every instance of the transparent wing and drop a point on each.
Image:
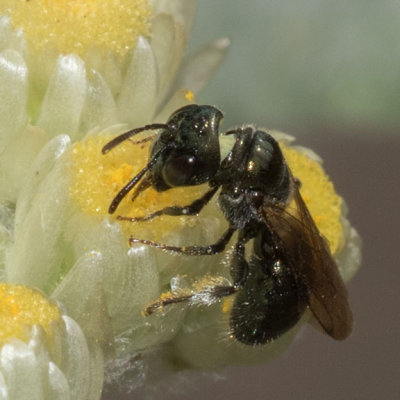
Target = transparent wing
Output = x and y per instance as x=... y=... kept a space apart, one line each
x=315 y=266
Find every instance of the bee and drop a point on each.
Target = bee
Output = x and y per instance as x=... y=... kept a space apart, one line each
x=289 y=269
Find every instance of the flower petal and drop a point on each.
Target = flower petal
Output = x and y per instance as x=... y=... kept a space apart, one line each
x=163 y=42
x=197 y=69
x=38 y=262
x=17 y=158
x=99 y=109
x=76 y=361
x=9 y=38
x=3 y=388
x=136 y=102
x=349 y=259
x=183 y=11
x=82 y=294
x=43 y=164
x=62 y=105
x=13 y=95
x=58 y=385
x=18 y=360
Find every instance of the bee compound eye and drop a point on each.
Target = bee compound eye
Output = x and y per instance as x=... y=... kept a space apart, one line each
x=179 y=171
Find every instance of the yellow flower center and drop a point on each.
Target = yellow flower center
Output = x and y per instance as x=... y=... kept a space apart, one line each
x=21 y=308
x=319 y=194
x=75 y=26
x=98 y=178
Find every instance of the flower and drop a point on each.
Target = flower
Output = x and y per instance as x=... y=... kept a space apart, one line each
x=81 y=257
x=43 y=352
x=69 y=66
x=68 y=99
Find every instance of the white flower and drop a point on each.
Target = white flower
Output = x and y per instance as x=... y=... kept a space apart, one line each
x=63 y=104
x=70 y=66
x=43 y=353
x=81 y=257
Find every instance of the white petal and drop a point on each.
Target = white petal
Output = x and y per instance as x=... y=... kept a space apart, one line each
x=136 y=102
x=349 y=259
x=58 y=388
x=169 y=37
x=100 y=109
x=76 y=362
x=42 y=165
x=82 y=294
x=38 y=262
x=182 y=11
x=13 y=95
x=112 y=276
x=16 y=361
x=11 y=39
x=163 y=44
x=96 y=370
x=17 y=159
x=3 y=388
x=108 y=66
x=139 y=285
x=62 y=105
x=198 y=68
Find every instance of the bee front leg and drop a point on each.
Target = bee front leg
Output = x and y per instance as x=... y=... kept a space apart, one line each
x=209 y=250
x=191 y=209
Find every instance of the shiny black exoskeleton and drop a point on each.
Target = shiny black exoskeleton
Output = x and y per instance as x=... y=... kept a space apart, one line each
x=186 y=151
x=290 y=266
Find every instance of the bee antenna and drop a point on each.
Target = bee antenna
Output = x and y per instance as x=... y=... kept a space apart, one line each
x=128 y=187
x=121 y=138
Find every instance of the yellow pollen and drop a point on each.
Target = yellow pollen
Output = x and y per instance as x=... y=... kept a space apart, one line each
x=319 y=194
x=75 y=26
x=121 y=175
x=189 y=96
x=227 y=304
x=97 y=178
x=21 y=308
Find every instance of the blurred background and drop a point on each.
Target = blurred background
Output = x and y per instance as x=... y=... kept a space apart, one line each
x=301 y=65
x=327 y=72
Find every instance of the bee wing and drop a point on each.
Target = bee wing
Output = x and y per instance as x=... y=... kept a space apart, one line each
x=315 y=266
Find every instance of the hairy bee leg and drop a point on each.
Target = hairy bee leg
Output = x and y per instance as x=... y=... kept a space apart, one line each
x=215 y=292
x=239 y=265
x=191 y=209
x=165 y=301
x=210 y=250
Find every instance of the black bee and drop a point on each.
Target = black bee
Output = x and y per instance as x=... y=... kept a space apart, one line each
x=290 y=267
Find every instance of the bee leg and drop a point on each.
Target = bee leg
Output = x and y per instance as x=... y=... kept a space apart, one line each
x=239 y=265
x=211 y=249
x=144 y=184
x=206 y=295
x=191 y=209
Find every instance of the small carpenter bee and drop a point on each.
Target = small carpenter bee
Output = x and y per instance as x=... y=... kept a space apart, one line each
x=290 y=267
